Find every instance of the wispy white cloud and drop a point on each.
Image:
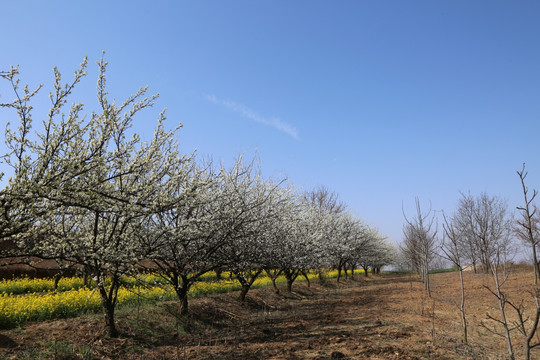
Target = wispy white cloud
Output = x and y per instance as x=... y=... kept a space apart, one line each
x=252 y=115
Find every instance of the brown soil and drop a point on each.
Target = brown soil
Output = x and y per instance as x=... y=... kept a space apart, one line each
x=382 y=317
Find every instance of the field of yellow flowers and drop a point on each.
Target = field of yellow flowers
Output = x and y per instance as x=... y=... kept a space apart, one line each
x=24 y=299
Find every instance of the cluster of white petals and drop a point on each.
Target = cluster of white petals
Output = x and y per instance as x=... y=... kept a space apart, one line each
x=87 y=192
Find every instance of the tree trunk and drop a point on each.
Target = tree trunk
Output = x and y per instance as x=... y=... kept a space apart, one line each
x=290 y=275
x=246 y=282
x=536 y=265
x=462 y=306
x=183 y=300
x=219 y=276
x=289 y=284
x=109 y=321
x=534 y=327
x=181 y=290
x=108 y=300
x=274 y=285
x=273 y=275
x=502 y=303
x=426 y=279
x=305 y=275
x=57 y=278
x=322 y=279
x=243 y=292
x=365 y=270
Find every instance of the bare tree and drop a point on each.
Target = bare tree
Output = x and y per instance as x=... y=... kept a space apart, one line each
x=484 y=223
x=485 y=226
x=528 y=225
x=527 y=230
x=452 y=248
x=500 y=271
x=419 y=241
x=522 y=324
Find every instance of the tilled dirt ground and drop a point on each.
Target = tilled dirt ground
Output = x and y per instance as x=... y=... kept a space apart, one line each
x=382 y=317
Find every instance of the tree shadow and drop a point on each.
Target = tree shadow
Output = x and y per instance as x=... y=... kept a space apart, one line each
x=6 y=342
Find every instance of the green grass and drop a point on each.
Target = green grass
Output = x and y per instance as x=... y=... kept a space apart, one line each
x=438 y=271
x=398 y=272
x=434 y=271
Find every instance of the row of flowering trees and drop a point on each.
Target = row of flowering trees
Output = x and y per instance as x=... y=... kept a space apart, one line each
x=89 y=193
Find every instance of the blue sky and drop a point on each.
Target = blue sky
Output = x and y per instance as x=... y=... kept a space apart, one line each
x=380 y=101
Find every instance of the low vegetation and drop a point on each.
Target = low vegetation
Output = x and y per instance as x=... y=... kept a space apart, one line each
x=41 y=302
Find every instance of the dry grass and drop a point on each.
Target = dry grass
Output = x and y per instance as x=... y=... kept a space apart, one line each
x=383 y=317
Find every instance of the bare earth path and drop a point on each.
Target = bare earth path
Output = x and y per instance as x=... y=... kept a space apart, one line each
x=382 y=317
x=358 y=320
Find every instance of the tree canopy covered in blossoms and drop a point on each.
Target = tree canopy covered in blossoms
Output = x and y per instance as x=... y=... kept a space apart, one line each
x=87 y=192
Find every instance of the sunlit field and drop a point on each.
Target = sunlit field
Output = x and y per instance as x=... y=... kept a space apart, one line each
x=25 y=299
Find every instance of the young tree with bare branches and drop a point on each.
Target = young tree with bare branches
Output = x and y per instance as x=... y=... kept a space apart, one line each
x=528 y=229
x=485 y=223
x=419 y=241
x=452 y=249
x=499 y=267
